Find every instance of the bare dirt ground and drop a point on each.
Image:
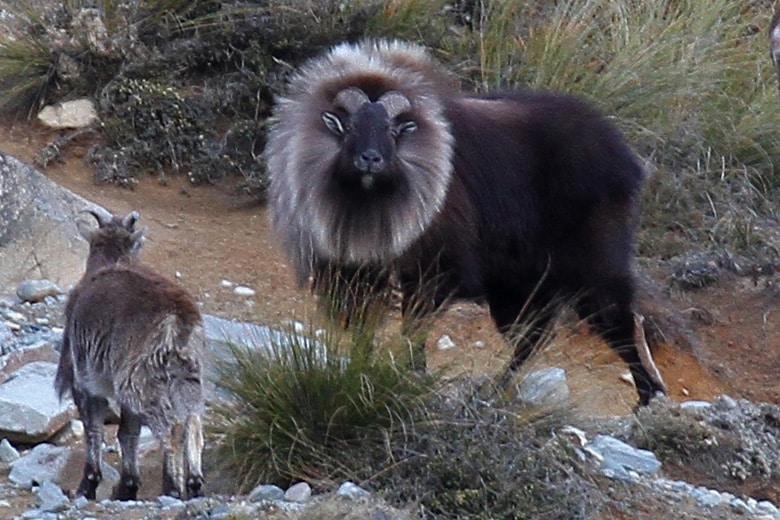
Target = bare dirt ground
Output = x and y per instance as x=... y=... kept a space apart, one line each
x=207 y=234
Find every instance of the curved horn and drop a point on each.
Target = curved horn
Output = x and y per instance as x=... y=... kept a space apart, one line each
x=129 y=220
x=350 y=99
x=101 y=214
x=395 y=103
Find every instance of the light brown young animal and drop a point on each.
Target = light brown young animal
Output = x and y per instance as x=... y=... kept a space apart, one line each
x=133 y=336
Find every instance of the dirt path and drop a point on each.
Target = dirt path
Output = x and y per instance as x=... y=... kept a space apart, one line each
x=204 y=235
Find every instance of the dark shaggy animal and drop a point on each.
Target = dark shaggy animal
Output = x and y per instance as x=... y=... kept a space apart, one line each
x=379 y=167
x=135 y=337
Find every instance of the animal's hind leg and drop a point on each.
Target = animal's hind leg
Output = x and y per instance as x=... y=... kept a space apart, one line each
x=128 y=434
x=92 y=411
x=193 y=448
x=609 y=311
x=171 y=437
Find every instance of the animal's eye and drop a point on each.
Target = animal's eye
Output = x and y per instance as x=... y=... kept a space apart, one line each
x=333 y=123
x=407 y=127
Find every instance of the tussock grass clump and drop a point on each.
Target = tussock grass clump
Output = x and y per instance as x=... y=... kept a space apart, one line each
x=313 y=409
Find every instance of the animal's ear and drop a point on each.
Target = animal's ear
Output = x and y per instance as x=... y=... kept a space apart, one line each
x=333 y=123
x=85 y=230
x=129 y=220
x=137 y=239
x=407 y=127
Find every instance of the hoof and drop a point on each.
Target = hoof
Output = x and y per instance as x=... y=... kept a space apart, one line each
x=127 y=489
x=88 y=486
x=195 y=487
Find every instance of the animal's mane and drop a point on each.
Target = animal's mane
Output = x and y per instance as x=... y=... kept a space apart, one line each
x=300 y=151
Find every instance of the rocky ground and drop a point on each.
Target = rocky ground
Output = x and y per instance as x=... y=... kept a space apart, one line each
x=716 y=340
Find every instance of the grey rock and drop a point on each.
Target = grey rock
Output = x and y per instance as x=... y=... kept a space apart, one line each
x=546 y=387
x=30 y=409
x=352 y=491
x=298 y=493
x=694 y=271
x=7 y=452
x=266 y=492
x=51 y=497
x=619 y=459
x=222 y=334
x=38 y=235
x=44 y=462
x=24 y=353
x=35 y=291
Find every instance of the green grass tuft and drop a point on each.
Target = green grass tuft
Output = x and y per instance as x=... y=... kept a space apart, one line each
x=309 y=409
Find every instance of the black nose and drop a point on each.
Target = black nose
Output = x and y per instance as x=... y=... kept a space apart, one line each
x=369 y=161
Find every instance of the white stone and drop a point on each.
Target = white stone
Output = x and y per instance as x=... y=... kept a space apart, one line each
x=78 y=113
x=243 y=290
x=445 y=343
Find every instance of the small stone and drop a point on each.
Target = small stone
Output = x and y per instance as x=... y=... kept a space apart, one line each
x=34 y=291
x=166 y=501
x=14 y=316
x=243 y=290
x=266 y=492
x=695 y=405
x=7 y=452
x=300 y=493
x=726 y=402
x=226 y=283
x=352 y=491
x=546 y=387
x=709 y=498
x=479 y=344
x=445 y=343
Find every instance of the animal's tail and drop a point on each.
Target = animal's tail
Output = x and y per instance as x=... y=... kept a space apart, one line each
x=63 y=381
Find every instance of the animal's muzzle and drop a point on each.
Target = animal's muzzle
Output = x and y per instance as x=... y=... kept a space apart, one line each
x=370 y=161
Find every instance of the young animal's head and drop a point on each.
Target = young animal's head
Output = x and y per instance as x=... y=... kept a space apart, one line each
x=360 y=153
x=114 y=241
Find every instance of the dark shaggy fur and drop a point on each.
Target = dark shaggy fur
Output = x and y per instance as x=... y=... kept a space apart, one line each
x=378 y=166
x=134 y=337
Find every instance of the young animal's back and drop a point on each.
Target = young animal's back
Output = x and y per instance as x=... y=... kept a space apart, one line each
x=152 y=311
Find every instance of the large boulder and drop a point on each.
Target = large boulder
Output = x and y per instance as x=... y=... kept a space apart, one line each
x=38 y=235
